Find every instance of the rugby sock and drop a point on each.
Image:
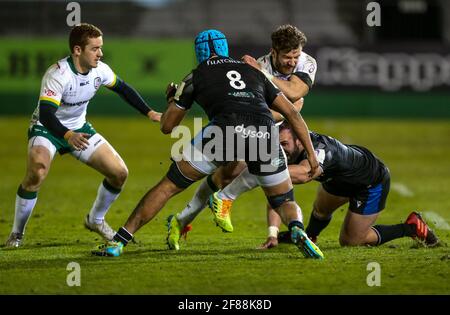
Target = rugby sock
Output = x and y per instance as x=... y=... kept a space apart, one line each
x=315 y=225
x=388 y=233
x=244 y=182
x=123 y=236
x=295 y=223
x=25 y=202
x=106 y=194
x=299 y=213
x=198 y=202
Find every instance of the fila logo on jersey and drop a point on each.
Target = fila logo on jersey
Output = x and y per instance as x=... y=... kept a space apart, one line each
x=84 y=83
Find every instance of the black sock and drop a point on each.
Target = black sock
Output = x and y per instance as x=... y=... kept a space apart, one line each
x=211 y=184
x=388 y=233
x=123 y=236
x=296 y=223
x=315 y=225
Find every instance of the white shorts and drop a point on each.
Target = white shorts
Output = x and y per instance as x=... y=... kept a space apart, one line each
x=95 y=142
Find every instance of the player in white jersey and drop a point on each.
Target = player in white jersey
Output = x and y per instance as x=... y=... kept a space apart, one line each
x=293 y=72
x=59 y=124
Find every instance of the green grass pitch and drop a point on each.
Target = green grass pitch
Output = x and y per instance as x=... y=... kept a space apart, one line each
x=211 y=262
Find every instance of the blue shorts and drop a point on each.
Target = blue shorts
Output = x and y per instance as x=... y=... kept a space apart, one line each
x=364 y=200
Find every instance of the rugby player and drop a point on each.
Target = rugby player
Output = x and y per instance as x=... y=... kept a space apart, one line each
x=293 y=71
x=236 y=98
x=348 y=174
x=59 y=124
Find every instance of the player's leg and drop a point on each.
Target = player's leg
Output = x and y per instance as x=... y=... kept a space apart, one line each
x=40 y=155
x=102 y=157
x=358 y=229
x=221 y=207
x=207 y=187
x=180 y=176
x=364 y=208
x=324 y=206
x=281 y=198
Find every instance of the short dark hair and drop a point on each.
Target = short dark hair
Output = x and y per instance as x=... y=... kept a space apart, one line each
x=286 y=126
x=80 y=34
x=287 y=37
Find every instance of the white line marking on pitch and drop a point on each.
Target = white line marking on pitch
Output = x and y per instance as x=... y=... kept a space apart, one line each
x=438 y=221
x=402 y=189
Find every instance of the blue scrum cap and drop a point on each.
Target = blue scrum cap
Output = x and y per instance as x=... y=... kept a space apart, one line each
x=208 y=42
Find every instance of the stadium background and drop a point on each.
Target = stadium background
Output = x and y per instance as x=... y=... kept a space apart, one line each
x=386 y=88
x=401 y=69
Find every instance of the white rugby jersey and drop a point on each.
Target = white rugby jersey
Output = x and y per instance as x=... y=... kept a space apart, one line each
x=62 y=86
x=306 y=68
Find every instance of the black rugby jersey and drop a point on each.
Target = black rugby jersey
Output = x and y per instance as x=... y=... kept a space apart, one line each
x=223 y=85
x=344 y=164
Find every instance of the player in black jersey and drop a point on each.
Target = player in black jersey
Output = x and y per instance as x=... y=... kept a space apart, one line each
x=236 y=98
x=349 y=174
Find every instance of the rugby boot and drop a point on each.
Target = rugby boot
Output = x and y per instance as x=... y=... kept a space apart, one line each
x=422 y=231
x=221 y=209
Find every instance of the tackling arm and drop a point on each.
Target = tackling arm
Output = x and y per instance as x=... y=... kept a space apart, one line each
x=295 y=119
x=294 y=88
x=299 y=173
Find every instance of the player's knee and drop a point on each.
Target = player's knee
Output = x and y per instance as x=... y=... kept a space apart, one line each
x=178 y=178
x=320 y=213
x=121 y=176
x=278 y=200
x=35 y=176
x=346 y=240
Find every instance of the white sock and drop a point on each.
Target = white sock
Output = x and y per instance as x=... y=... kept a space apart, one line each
x=24 y=208
x=299 y=213
x=244 y=182
x=197 y=203
x=105 y=197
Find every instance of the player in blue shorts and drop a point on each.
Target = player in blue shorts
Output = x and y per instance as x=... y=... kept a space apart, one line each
x=348 y=174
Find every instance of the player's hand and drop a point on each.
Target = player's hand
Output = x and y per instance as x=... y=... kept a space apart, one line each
x=314 y=164
x=251 y=61
x=269 y=243
x=79 y=140
x=154 y=116
x=171 y=90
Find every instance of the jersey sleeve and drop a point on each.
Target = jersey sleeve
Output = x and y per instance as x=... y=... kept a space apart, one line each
x=52 y=87
x=307 y=70
x=184 y=96
x=108 y=77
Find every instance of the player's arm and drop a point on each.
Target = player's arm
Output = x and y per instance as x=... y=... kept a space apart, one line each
x=295 y=88
x=48 y=119
x=171 y=117
x=179 y=101
x=278 y=117
x=133 y=98
x=273 y=223
x=282 y=105
x=299 y=173
x=52 y=89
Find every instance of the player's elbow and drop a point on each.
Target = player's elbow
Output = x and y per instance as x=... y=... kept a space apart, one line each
x=165 y=129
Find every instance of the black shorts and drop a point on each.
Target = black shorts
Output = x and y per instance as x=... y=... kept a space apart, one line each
x=364 y=200
x=240 y=137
